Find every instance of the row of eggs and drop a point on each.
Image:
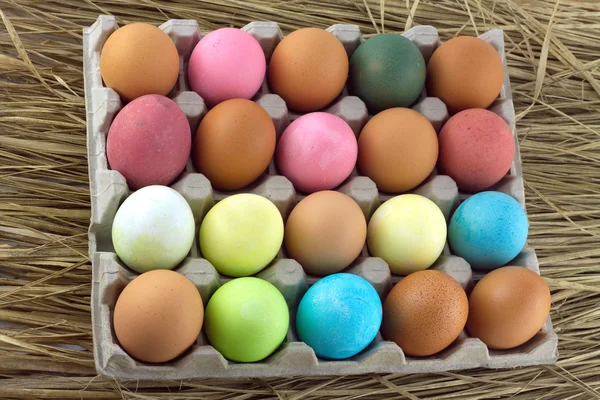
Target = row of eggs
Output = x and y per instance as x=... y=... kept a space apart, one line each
x=160 y=314
x=325 y=232
x=308 y=68
x=149 y=143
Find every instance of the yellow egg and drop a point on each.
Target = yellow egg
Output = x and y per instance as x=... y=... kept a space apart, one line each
x=241 y=235
x=408 y=232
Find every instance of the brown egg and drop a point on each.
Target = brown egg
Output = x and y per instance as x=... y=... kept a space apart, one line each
x=465 y=72
x=308 y=69
x=425 y=312
x=325 y=232
x=508 y=307
x=158 y=316
x=234 y=144
x=139 y=59
x=397 y=149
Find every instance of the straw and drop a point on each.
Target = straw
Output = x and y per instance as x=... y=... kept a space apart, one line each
x=553 y=53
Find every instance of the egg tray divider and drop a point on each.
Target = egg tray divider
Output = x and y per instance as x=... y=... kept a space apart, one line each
x=109 y=189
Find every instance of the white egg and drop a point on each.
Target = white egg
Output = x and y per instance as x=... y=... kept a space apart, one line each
x=153 y=229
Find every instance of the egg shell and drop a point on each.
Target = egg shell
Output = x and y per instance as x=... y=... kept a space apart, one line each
x=397 y=149
x=325 y=232
x=317 y=151
x=339 y=316
x=149 y=141
x=139 y=59
x=153 y=229
x=408 y=232
x=386 y=71
x=246 y=319
x=308 y=69
x=477 y=148
x=158 y=316
x=226 y=64
x=425 y=312
x=241 y=234
x=488 y=230
x=234 y=144
x=465 y=72
x=508 y=307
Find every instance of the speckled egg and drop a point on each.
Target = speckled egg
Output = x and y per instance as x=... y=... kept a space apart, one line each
x=488 y=230
x=507 y=307
x=424 y=313
x=408 y=232
x=153 y=229
x=477 y=148
x=339 y=316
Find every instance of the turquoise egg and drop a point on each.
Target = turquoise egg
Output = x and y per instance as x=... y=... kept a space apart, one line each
x=339 y=316
x=488 y=230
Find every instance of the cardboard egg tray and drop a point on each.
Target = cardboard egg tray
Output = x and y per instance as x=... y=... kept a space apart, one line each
x=109 y=189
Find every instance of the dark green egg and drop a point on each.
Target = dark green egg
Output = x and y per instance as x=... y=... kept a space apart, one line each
x=386 y=71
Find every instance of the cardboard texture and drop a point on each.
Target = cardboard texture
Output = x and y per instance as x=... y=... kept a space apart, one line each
x=108 y=190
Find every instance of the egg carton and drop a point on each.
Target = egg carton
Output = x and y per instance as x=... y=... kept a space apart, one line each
x=109 y=189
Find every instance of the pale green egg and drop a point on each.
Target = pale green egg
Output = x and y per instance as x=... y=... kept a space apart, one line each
x=241 y=234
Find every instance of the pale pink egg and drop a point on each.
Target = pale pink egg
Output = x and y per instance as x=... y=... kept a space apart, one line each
x=317 y=152
x=226 y=64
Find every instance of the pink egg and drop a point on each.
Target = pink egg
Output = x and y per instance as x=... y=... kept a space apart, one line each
x=477 y=148
x=149 y=141
x=226 y=64
x=317 y=152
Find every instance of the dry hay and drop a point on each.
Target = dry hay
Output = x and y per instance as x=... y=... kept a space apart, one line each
x=553 y=51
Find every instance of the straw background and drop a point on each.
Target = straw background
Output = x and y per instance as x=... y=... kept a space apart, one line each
x=553 y=51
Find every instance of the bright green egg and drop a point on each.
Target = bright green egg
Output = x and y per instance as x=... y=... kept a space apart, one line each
x=246 y=319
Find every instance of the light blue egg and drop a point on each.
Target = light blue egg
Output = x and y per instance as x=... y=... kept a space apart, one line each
x=339 y=316
x=488 y=230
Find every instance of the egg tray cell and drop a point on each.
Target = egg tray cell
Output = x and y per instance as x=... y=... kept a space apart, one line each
x=109 y=189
